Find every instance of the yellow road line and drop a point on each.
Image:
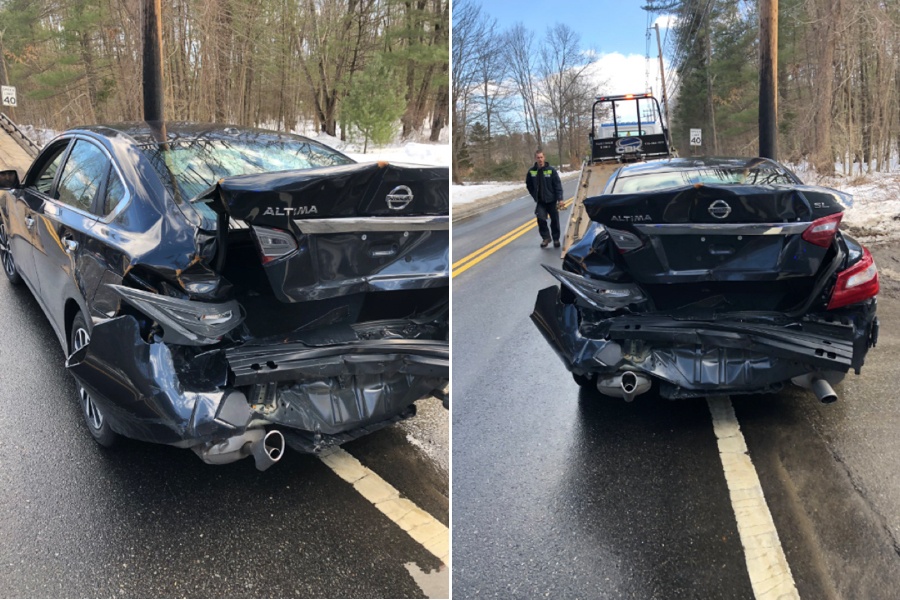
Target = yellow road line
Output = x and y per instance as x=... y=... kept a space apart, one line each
x=464 y=264
x=433 y=535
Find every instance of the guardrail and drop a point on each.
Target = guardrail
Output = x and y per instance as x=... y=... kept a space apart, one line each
x=17 y=134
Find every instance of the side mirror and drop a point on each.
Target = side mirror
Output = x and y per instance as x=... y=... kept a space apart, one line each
x=9 y=179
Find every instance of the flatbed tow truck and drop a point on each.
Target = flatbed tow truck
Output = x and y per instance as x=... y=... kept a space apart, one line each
x=635 y=133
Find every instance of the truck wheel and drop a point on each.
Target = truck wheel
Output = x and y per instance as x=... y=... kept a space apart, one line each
x=93 y=416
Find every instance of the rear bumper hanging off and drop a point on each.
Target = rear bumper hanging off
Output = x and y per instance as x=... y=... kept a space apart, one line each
x=318 y=396
x=695 y=357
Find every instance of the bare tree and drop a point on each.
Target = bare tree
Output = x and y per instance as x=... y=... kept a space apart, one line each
x=562 y=65
x=522 y=62
x=471 y=32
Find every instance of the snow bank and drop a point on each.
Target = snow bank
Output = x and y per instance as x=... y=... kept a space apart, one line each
x=409 y=152
x=873 y=214
x=471 y=192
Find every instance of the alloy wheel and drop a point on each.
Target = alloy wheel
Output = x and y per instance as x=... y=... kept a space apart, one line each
x=93 y=414
x=6 y=257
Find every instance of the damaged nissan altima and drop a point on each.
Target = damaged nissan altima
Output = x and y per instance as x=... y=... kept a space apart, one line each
x=233 y=290
x=711 y=276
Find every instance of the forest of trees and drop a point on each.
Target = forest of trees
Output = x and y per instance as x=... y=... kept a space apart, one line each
x=838 y=85
x=513 y=91
x=275 y=63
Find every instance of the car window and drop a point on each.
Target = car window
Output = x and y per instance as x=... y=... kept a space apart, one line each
x=195 y=165
x=82 y=175
x=115 y=192
x=43 y=181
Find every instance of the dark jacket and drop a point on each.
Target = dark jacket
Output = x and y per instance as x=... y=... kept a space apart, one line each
x=543 y=184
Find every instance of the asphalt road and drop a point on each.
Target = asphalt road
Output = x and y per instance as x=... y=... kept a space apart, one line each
x=144 y=520
x=559 y=493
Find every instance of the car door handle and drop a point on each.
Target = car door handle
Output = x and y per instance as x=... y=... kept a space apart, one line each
x=69 y=244
x=29 y=222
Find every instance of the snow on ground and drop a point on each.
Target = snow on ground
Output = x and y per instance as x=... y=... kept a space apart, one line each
x=874 y=210
x=409 y=152
x=471 y=192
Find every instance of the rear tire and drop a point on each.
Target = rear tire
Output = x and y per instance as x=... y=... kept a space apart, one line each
x=93 y=417
x=6 y=257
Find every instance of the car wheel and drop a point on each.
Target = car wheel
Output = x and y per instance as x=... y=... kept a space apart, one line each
x=6 y=257
x=585 y=381
x=93 y=416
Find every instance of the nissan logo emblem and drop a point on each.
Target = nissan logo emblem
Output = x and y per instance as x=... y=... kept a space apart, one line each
x=399 y=197
x=719 y=209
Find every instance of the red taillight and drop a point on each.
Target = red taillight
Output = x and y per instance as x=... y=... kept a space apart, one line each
x=856 y=284
x=821 y=231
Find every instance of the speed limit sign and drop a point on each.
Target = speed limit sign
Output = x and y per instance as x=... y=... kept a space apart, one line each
x=8 y=93
x=696 y=137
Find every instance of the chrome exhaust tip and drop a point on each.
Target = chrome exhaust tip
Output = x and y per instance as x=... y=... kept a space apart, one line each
x=819 y=383
x=823 y=391
x=268 y=450
x=627 y=385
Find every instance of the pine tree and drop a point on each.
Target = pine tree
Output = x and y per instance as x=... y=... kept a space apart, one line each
x=375 y=102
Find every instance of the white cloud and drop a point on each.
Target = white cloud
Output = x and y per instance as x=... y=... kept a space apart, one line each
x=616 y=73
x=666 y=21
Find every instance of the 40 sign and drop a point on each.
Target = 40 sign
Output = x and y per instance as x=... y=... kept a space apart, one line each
x=696 y=137
x=8 y=93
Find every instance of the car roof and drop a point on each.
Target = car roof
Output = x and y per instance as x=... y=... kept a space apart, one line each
x=151 y=133
x=697 y=162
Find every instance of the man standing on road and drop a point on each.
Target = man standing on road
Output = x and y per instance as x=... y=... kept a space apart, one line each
x=545 y=187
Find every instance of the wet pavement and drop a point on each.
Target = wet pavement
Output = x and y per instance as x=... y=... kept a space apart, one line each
x=143 y=520
x=561 y=493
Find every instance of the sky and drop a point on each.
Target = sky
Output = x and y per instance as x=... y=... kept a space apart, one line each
x=614 y=29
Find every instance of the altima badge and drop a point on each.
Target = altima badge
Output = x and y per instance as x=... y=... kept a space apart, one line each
x=719 y=209
x=399 y=197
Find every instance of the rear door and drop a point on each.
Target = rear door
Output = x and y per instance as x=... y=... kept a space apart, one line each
x=64 y=224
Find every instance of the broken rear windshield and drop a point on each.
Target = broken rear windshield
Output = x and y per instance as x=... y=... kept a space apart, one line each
x=646 y=182
x=194 y=165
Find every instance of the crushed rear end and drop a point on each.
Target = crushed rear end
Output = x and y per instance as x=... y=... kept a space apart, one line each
x=725 y=289
x=310 y=302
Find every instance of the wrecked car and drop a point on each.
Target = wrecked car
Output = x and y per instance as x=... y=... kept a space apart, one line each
x=711 y=276
x=233 y=290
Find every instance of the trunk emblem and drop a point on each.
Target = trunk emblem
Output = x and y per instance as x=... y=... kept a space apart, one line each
x=719 y=209
x=399 y=197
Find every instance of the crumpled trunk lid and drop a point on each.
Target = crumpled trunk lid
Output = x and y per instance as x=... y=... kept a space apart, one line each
x=358 y=228
x=716 y=244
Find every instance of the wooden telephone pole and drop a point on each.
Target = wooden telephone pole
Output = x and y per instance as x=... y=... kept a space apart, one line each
x=768 y=78
x=662 y=76
x=153 y=69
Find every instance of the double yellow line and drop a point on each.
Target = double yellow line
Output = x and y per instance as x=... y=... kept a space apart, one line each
x=464 y=264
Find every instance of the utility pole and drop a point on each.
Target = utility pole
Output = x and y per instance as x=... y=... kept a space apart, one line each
x=768 y=78
x=153 y=69
x=662 y=76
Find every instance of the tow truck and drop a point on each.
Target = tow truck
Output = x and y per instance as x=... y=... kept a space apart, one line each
x=636 y=132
